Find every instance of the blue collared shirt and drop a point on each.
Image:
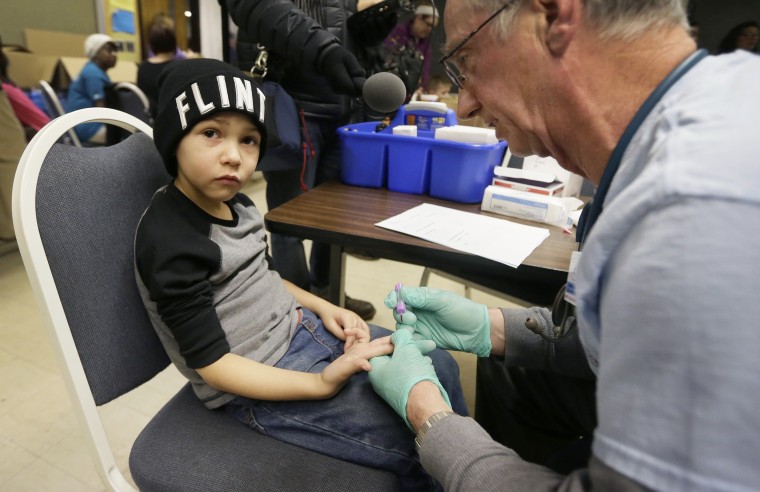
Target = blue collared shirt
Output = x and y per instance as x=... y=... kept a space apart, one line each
x=668 y=289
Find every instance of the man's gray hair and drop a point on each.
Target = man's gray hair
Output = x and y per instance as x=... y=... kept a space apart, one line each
x=612 y=18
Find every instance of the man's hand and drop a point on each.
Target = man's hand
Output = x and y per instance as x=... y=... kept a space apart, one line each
x=342 y=70
x=394 y=377
x=451 y=321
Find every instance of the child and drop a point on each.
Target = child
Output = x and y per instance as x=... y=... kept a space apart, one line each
x=246 y=339
x=438 y=85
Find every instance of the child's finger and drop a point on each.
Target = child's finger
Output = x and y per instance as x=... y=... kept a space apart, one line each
x=350 y=340
x=363 y=364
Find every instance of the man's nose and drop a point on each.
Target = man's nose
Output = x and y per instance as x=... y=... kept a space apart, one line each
x=467 y=105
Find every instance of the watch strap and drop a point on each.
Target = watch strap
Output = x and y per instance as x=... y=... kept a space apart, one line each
x=428 y=424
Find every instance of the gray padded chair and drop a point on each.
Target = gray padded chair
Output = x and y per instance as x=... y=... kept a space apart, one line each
x=75 y=213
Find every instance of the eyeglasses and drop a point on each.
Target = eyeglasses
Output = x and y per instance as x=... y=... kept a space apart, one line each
x=449 y=66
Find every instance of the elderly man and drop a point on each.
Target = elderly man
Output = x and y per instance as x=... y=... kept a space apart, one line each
x=666 y=287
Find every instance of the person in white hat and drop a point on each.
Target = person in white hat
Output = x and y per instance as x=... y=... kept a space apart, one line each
x=88 y=89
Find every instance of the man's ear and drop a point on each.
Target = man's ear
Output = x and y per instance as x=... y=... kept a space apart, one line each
x=562 y=17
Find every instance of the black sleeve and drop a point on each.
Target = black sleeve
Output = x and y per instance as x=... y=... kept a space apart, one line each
x=175 y=261
x=283 y=29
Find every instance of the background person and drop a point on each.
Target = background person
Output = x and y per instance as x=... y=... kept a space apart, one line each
x=28 y=114
x=164 y=21
x=667 y=282
x=12 y=143
x=310 y=55
x=88 y=89
x=439 y=86
x=163 y=43
x=408 y=50
x=744 y=36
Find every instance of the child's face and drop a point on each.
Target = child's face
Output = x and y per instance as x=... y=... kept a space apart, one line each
x=441 y=90
x=216 y=158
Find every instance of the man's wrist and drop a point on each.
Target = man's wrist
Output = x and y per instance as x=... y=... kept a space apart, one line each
x=497 y=326
x=424 y=400
x=422 y=431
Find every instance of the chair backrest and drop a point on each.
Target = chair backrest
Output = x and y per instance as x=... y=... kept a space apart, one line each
x=127 y=97
x=75 y=211
x=133 y=101
x=55 y=109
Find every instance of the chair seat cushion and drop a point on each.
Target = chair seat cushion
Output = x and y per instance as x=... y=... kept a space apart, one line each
x=187 y=447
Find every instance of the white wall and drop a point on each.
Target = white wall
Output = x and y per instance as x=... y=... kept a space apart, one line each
x=211 y=29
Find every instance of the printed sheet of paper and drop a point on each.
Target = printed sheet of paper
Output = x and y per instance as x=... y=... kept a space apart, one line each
x=496 y=239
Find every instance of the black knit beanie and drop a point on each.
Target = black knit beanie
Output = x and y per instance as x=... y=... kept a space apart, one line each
x=194 y=90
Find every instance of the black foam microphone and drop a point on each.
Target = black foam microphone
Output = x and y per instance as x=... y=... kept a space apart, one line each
x=384 y=92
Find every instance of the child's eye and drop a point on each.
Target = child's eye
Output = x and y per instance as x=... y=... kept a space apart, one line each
x=250 y=140
x=210 y=133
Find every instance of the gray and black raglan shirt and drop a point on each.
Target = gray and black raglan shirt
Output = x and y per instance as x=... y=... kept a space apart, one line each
x=208 y=288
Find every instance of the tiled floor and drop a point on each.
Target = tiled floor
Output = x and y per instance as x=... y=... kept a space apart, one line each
x=41 y=448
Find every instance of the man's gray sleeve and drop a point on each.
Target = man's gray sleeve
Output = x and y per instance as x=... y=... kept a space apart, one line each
x=462 y=456
x=531 y=341
x=458 y=453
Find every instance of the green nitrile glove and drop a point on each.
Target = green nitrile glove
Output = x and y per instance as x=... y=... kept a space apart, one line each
x=394 y=376
x=451 y=321
x=424 y=344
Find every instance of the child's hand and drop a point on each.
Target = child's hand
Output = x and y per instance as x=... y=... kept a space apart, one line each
x=345 y=325
x=353 y=360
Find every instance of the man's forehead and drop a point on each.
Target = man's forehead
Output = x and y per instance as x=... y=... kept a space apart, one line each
x=452 y=26
x=458 y=22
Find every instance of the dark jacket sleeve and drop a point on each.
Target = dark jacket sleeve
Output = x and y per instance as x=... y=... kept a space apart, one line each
x=283 y=29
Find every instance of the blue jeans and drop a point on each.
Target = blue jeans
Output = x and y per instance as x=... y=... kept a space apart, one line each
x=356 y=425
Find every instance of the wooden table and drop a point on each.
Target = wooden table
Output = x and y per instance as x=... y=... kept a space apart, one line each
x=345 y=216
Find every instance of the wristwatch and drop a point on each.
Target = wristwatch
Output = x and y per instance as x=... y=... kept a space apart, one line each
x=428 y=424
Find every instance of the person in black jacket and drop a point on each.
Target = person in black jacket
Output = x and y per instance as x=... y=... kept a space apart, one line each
x=309 y=48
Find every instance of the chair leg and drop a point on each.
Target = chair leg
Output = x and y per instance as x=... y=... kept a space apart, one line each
x=425 y=277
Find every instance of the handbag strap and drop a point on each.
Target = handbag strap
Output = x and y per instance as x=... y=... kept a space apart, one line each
x=259 y=69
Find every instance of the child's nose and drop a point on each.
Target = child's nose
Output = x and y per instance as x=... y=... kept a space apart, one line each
x=231 y=154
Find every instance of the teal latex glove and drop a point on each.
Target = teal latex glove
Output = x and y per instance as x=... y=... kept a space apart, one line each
x=451 y=321
x=394 y=376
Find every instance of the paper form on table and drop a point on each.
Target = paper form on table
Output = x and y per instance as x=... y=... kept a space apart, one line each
x=496 y=239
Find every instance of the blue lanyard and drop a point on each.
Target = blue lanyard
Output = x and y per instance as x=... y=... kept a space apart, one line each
x=592 y=211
